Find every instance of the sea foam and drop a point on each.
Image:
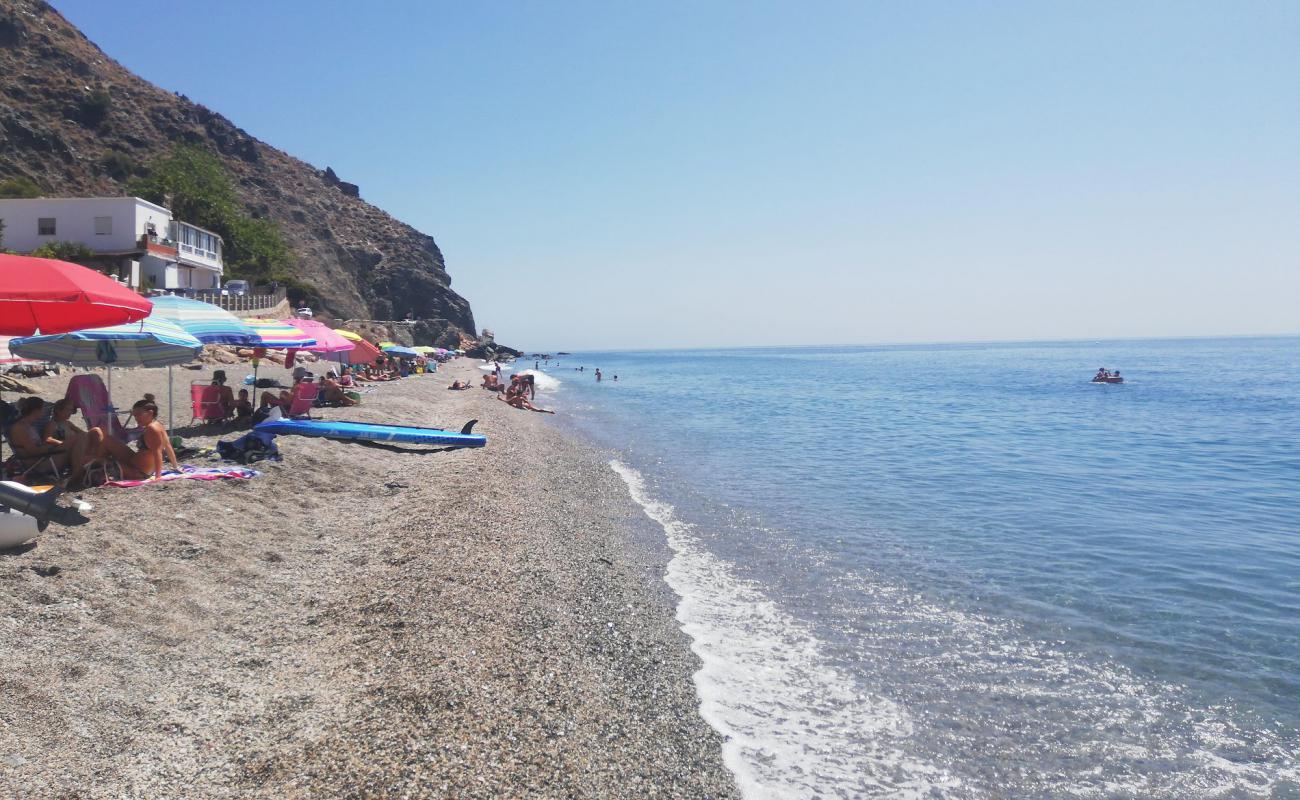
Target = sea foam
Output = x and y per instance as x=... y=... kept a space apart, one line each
x=544 y=382
x=794 y=725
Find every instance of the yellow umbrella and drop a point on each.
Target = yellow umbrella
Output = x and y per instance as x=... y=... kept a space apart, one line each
x=356 y=337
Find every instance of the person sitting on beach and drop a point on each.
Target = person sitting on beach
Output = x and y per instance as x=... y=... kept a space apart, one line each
x=226 y=397
x=346 y=380
x=332 y=392
x=243 y=407
x=26 y=439
x=491 y=383
x=154 y=445
x=62 y=432
x=515 y=396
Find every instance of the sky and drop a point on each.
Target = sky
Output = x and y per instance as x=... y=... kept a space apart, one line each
x=691 y=174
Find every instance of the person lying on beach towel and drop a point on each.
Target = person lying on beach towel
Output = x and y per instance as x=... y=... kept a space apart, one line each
x=459 y=385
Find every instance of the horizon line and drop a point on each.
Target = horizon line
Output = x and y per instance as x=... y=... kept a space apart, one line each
x=932 y=343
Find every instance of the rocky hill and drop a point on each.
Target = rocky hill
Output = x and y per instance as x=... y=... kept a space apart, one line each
x=77 y=123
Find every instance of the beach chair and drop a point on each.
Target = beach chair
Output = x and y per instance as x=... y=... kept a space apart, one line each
x=91 y=397
x=26 y=468
x=205 y=399
x=304 y=398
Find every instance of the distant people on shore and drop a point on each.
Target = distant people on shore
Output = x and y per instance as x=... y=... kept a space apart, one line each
x=516 y=395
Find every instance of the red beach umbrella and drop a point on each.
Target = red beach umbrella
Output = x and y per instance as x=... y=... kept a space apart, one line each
x=42 y=295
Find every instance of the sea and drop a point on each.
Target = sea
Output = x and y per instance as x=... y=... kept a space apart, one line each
x=967 y=571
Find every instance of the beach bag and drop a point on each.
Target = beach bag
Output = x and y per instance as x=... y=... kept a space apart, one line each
x=250 y=448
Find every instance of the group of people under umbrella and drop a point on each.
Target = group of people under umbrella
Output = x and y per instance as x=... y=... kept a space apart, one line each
x=68 y=314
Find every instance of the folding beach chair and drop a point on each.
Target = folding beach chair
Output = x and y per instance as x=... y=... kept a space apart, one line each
x=91 y=397
x=304 y=398
x=24 y=469
x=205 y=399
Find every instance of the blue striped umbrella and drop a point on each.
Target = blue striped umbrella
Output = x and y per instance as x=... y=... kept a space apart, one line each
x=208 y=323
x=152 y=342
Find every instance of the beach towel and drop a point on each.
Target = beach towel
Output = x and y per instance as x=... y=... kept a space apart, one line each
x=91 y=397
x=191 y=473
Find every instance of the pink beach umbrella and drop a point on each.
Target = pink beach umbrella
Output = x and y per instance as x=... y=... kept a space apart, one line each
x=327 y=340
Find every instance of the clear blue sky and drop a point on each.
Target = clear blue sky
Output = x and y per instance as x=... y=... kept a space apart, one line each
x=658 y=174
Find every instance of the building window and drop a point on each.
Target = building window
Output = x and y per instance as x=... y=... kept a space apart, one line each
x=45 y=226
x=103 y=226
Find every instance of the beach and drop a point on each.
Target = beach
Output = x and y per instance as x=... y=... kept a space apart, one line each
x=358 y=621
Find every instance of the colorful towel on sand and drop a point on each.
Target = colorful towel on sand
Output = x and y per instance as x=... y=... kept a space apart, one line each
x=191 y=473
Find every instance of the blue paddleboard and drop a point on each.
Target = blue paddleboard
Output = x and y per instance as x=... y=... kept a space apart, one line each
x=363 y=431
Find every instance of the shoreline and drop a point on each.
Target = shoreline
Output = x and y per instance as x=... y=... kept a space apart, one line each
x=357 y=621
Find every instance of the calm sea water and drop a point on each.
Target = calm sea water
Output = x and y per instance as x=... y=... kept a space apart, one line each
x=966 y=571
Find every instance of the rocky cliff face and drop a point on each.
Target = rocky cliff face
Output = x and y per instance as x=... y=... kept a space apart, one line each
x=79 y=124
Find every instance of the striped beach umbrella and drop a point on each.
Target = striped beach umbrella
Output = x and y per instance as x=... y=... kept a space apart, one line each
x=7 y=357
x=273 y=334
x=208 y=323
x=151 y=342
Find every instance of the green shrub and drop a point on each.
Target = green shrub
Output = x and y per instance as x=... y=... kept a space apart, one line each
x=75 y=252
x=118 y=166
x=202 y=193
x=94 y=106
x=19 y=187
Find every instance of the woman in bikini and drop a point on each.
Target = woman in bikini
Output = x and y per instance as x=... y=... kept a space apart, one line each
x=147 y=462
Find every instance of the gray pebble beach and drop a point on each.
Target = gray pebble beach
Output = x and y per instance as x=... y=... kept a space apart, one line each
x=360 y=621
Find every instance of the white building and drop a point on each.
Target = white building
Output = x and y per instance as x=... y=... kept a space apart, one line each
x=134 y=239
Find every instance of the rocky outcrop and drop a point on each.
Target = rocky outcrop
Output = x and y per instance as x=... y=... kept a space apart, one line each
x=78 y=123
x=410 y=332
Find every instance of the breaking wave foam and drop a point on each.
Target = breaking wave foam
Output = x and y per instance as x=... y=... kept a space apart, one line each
x=545 y=383
x=795 y=726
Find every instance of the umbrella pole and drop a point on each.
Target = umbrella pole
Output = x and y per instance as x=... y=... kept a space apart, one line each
x=169 y=398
